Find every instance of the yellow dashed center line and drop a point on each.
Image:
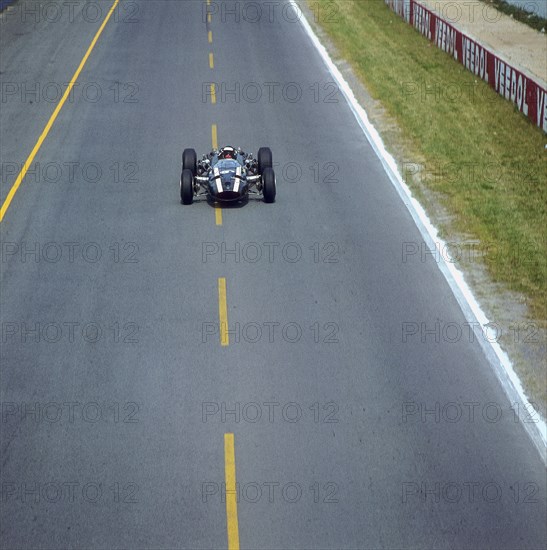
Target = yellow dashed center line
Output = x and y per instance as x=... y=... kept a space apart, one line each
x=214 y=140
x=218 y=210
x=53 y=117
x=231 y=493
x=214 y=136
x=218 y=215
x=223 y=312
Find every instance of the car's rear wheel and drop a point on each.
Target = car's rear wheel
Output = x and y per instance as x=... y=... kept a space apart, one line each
x=264 y=158
x=268 y=184
x=190 y=161
x=186 y=187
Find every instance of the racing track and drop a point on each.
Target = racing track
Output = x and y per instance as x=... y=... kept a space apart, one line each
x=373 y=460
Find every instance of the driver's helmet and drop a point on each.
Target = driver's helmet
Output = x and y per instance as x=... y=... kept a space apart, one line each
x=227 y=153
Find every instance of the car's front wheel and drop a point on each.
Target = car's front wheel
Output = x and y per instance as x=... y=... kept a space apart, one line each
x=190 y=161
x=265 y=159
x=268 y=184
x=186 y=187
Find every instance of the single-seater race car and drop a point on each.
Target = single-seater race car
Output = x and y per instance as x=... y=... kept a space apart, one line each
x=227 y=174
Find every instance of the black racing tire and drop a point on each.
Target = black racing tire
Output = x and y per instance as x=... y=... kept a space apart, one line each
x=264 y=158
x=268 y=184
x=186 y=187
x=190 y=161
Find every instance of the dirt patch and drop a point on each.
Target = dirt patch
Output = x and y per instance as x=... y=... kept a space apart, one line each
x=520 y=45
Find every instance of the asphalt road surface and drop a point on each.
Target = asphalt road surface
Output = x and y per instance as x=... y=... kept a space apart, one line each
x=363 y=412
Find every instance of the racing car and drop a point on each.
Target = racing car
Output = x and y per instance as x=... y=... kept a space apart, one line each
x=227 y=174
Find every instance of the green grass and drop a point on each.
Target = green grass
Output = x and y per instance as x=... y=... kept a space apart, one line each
x=485 y=162
x=526 y=17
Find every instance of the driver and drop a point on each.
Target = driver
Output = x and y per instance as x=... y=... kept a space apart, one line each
x=227 y=153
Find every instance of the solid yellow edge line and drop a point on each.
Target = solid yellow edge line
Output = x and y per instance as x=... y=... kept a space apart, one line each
x=53 y=117
x=231 y=492
x=223 y=312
